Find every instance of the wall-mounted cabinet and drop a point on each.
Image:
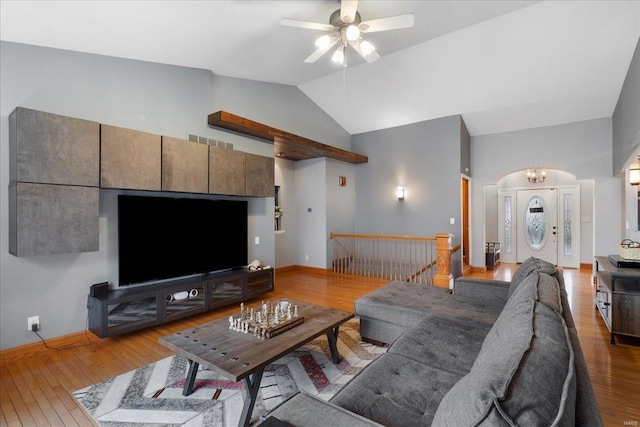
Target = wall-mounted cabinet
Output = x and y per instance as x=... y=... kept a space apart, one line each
x=227 y=171
x=53 y=149
x=47 y=219
x=57 y=165
x=185 y=166
x=130 y=159
x=260 y=175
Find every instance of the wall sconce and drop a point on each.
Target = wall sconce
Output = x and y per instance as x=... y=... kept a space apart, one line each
x=400 y=193
x=634 y=175
x=534 y=177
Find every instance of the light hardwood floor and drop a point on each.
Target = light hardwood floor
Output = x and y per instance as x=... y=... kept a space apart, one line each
x=36 y=384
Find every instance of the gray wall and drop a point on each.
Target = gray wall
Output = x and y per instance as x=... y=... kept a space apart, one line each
x=626 y=117
x=286 y=237
x=341 y=202
x=154 y=98
x=311 y=213
x=583 y=149
x=425 y=159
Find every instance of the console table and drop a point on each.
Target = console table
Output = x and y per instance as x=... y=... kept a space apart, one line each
x=129 y=309
x=617 y=298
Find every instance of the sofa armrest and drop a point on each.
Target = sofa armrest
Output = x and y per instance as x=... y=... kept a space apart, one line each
x=305 y=410
x=486 y=289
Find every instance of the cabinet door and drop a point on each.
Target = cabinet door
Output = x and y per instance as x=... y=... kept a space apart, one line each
x=185 y=300
x=260 y=175
x=225 y=291
x=227 y=171
x=130 y=159
x=49 y=219
x=185 y=166
x=53 y=149
x=259 y=282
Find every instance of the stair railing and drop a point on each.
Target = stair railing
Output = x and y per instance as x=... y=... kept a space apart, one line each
x=421 y=260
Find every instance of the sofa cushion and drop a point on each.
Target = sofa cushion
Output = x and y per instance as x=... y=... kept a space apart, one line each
x=405 y=304
x=523 y=375
x=529 y=265
x=305 y=410
x=447 y=343
x=539 y=287
x=396 y=391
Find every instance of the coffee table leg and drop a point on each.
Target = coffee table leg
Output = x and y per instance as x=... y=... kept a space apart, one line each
x=332 y=337
x=191 y=378
x=252 y=385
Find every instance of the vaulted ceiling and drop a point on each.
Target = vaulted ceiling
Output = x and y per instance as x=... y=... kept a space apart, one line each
x=502 y=65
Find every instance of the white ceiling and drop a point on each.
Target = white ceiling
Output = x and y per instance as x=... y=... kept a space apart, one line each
x=502 y=65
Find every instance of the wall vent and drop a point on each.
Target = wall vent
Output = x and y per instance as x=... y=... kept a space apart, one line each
x=208 y=141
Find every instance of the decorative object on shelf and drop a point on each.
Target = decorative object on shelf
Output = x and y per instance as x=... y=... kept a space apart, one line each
x=345 y=28
x=629 y=249
x=400 y=193
x=278 y=213
x=266 y=321
x=256 y=265
x=534 y=176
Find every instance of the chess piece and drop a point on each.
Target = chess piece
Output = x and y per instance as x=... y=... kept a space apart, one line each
x=230 y=322
x=289 y=312
x=295 y=310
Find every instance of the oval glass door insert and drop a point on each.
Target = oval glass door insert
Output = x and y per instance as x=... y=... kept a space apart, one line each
x=536 y=223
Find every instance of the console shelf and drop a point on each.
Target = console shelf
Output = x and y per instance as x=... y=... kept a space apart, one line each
x=129 y=309
x=617 y=298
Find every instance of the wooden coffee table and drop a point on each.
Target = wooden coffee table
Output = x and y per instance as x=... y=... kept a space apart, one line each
x=239 y=356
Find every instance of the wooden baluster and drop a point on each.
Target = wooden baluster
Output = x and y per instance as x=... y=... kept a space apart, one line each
x=443 y=277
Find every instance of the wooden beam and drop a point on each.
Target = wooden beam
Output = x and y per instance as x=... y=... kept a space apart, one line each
x=286 y=145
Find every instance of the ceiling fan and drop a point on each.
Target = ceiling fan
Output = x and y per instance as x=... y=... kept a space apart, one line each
x=346 y=27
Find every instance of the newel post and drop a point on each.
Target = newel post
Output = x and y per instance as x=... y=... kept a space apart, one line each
x=443 y=277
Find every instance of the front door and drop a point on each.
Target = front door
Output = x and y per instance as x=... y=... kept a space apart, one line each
x=537 y=224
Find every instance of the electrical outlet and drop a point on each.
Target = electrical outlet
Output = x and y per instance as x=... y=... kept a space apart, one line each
x=306 y=257
x=257 y=240
x=34 y=320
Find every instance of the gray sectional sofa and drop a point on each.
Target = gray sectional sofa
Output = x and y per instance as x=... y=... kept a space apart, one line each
x=491 y=353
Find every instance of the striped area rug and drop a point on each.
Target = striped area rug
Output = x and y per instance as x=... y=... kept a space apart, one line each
x=151 y=396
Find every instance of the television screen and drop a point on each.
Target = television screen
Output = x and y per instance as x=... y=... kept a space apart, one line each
x=162 y=237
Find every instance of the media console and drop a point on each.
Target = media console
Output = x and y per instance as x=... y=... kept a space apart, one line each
x=129 y=309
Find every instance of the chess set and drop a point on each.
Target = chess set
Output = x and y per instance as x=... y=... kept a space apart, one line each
x=268 y=320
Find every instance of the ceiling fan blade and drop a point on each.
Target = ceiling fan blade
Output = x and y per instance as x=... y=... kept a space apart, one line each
x=384 y=24
x=317 y=54
x=305 y=24
x=371 y=57
x=348 y=10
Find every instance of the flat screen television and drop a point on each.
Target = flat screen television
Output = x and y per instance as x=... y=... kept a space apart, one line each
x=164 y=237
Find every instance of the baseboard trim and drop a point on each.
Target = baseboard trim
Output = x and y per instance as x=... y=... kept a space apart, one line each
x=302 y=269
x=586 y=266
x=35 y=349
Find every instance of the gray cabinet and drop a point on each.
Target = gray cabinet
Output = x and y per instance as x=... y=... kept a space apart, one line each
x=227 y=171
x=185 y=166
x=53 y=149
x=260 y=175
x=617 y=298
x=46 y=219
x=53 y=190
x=125 y=310
x=130 y=159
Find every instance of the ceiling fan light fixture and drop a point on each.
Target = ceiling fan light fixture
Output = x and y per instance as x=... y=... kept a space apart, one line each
x=323 y=42
x=353 y=32
x=338 y=55
x=366 y=47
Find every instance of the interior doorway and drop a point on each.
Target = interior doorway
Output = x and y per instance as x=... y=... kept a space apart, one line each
x=466 y=246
